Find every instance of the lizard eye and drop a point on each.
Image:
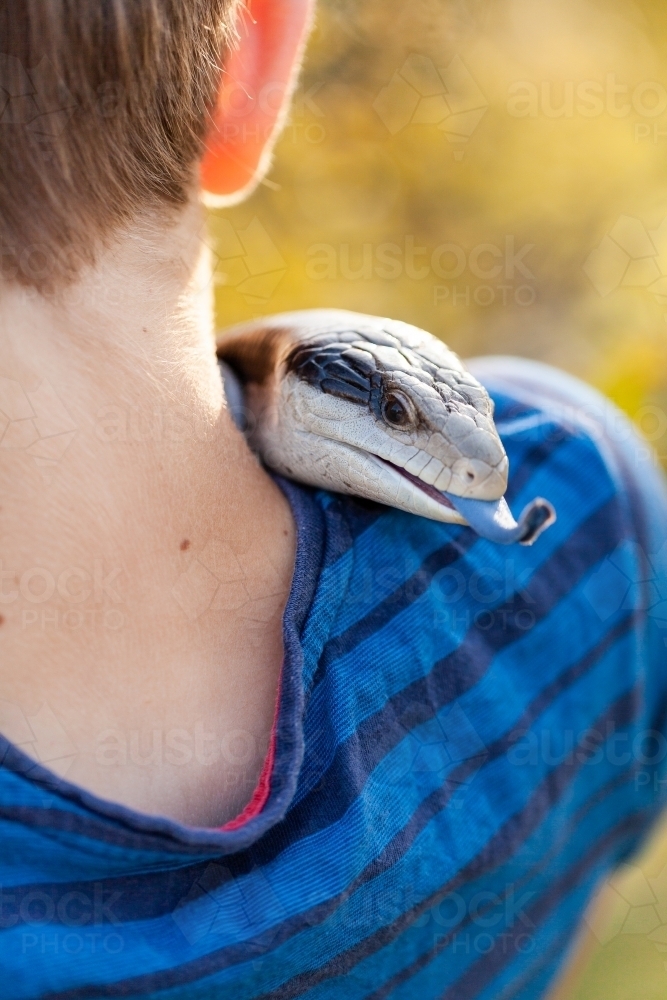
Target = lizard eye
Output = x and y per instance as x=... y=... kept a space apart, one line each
x=397 y=410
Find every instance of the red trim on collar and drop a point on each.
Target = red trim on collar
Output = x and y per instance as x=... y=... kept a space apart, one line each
x=263 y=786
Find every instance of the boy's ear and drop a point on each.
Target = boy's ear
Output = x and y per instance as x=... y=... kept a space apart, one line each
x=256 y=85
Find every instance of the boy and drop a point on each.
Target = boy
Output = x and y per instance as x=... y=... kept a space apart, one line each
x=261 y=741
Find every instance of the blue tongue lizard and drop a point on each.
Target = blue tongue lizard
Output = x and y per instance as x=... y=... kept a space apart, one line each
x=491 y=519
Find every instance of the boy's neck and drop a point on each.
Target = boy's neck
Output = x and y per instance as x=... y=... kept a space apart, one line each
x=145 y=555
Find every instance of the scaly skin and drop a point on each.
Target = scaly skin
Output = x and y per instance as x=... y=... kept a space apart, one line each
x=371 y=407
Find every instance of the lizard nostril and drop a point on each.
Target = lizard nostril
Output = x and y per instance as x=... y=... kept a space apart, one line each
x=474 y=478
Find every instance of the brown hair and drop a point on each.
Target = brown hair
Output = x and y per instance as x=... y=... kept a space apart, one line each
x=104 y=106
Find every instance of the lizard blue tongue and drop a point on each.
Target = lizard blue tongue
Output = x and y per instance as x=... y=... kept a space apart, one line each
x=493 y=519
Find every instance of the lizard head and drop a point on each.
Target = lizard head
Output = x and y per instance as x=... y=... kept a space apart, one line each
x=369 y=406
x=378 y=409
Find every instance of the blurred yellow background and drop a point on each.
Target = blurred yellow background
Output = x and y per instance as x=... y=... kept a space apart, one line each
x=496 y=172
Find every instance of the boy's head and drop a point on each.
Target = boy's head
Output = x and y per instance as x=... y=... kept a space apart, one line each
x=106 y=107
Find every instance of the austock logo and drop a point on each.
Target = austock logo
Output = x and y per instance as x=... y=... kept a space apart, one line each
x=205 y=910
x=630 y=256
x=444 y=749
x=35 y=422
x=421 y=93
x=34 y=98
x=630 y=579
x=634 y=904
x=40 y=735
x=220 y=580
x=248 y=260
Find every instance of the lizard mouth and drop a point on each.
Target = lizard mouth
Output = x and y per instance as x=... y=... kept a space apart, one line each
x=426 y=488
x=491 y=519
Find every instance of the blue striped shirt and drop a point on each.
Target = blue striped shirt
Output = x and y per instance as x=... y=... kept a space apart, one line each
x=468 y=738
